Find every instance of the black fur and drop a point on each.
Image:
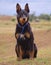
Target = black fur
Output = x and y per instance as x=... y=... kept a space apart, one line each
x=27 y=44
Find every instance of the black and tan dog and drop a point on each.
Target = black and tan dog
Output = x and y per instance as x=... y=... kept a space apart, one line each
x=25 y=47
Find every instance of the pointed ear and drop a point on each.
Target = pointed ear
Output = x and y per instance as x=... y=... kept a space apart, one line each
x=18 y=8
x=27 y=7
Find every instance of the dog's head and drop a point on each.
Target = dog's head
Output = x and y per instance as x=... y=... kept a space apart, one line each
x=22 y=15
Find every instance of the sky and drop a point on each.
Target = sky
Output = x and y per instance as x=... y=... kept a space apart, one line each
x=8 y=7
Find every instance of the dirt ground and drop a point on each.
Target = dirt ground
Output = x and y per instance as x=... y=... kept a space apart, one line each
x=42 y=39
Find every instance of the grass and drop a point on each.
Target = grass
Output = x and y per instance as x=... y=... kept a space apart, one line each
x=41 y=25
x=7 y=45
x=38 y=61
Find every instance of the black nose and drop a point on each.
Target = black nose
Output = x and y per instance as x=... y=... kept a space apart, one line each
x=24 y=19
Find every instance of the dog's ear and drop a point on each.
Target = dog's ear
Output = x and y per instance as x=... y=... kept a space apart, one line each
x=27 y=8
x=18 y=8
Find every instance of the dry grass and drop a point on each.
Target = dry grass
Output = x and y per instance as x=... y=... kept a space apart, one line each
x=42 y=39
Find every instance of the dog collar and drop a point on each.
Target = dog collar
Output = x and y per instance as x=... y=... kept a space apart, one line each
x=23 y=27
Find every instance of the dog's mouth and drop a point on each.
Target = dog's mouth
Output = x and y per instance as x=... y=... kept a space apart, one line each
x=23 y=20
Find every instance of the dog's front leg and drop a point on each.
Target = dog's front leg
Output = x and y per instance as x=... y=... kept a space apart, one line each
x=27 y=34
x=17 y=35
x=20 y=53
x=31 y=54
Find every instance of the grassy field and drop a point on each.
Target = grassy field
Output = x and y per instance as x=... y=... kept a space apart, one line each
x=42 y=34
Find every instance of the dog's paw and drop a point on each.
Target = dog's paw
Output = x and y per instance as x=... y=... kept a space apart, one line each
x=27 y=35
x=19 y=59
x=17 y=35
x=31 y=58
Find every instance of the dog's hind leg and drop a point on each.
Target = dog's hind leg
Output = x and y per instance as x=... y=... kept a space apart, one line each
x=31 y=53
x=35 y=50
x=16 y=50
x=20 y=54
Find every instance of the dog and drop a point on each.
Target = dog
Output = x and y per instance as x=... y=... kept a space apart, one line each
x=25 y=47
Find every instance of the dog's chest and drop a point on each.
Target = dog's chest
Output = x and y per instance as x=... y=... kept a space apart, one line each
x=22 y=30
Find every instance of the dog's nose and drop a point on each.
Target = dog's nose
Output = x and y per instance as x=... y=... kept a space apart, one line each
x=24 y=19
